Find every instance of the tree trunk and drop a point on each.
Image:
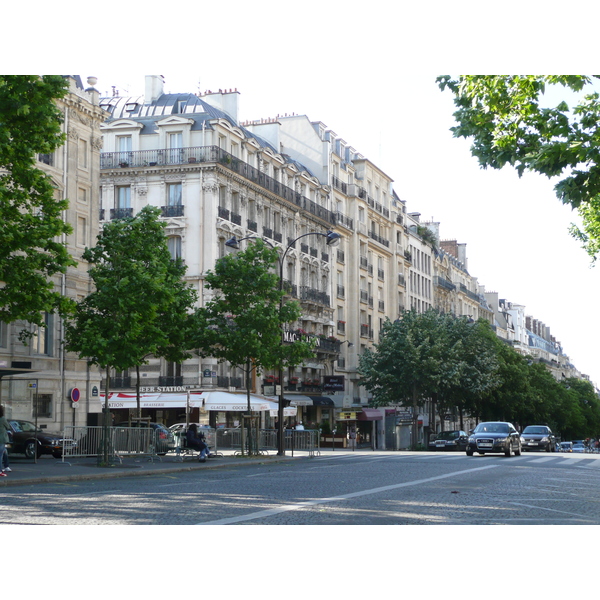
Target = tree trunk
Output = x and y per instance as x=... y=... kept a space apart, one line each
x=106 y=424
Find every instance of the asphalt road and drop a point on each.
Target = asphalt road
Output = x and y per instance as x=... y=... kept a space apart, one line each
x=338 y=488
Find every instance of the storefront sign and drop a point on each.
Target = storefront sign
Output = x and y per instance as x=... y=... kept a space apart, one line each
x=333 y=383
x=347 y=416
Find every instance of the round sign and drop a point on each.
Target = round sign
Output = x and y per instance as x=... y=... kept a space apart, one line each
x=75 y=395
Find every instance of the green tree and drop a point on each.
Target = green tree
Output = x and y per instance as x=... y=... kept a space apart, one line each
x=243 y=323
x=139 y=307
x=470 y=364
x=505 y=118
x=32 y=229
x=406 y=365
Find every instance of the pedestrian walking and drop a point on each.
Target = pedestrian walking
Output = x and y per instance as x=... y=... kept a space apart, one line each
x=4 y=439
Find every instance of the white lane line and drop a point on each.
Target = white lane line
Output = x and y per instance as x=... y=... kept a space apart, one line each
x=564 y=512
x=288 y=507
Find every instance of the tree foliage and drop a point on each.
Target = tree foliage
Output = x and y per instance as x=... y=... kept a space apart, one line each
x=140 y=305
x=505 y=117
x=460 y=364
x=244 y=319
x=31 y=225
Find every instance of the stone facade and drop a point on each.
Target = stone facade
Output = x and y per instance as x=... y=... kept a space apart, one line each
x=74 y=169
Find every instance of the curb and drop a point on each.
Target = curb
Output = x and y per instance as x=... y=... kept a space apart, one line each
x=139 y=471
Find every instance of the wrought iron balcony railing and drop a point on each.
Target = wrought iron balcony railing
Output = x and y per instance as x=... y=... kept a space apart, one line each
x=214 y=154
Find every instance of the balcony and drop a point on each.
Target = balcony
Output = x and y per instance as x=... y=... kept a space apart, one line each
x=308 y=294
x=213 y=154
x=172 y=211
x=120 y=213
x=443 y=283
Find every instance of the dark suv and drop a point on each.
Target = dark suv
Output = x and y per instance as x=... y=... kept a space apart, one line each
x=538 y=437
x=449 y=440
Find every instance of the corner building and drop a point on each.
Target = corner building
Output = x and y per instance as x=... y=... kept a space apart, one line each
x=214 y=179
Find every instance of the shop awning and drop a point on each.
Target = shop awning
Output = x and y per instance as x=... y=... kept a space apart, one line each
x=161 y=400
x=208 y=400
x=300 y=400
x=237 y=402
x=322 y=401
x=369 y=414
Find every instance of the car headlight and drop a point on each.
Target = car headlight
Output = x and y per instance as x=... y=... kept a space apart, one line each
x=501 y=440
x=544 y=439
x=471 y=440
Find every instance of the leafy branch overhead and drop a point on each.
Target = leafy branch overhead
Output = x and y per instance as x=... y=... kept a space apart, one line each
x=505 y=117
x=31 y=223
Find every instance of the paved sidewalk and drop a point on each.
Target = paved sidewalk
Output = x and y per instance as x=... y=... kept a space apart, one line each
x=48 y=469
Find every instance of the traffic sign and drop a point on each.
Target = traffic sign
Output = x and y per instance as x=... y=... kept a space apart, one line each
x=75 y=395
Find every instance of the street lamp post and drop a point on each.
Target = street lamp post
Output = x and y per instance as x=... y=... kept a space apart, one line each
x=333 y=239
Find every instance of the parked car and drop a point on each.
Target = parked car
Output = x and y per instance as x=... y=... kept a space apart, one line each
x=538 y=437
x=579 y=448
x=449 y=440
x=32 y=441
x=494 y=436
x=566 y=446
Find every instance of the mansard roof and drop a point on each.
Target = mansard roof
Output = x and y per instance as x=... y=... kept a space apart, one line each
x=187 y=105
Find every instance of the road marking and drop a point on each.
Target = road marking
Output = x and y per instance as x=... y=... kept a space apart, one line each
x=564 y=512
x=299 y=505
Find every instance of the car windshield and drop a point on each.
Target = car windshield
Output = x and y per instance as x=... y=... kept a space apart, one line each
x=491 y=428
x=578 y=446
x=24 y=426
x=448 y=435
x=534 y=430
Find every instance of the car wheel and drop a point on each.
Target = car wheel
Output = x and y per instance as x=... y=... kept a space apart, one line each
x=469 y=452
x=518 y=450
x=30 y=449
x=508 y=451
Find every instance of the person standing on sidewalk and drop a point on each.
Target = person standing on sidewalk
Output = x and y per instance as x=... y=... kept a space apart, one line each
x=4 y=429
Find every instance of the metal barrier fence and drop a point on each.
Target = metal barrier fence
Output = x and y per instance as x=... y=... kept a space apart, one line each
x=305 y=441
x=147 y=442
x=122 y=441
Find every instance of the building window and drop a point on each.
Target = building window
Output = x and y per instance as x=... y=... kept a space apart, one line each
x=3 y=335
x=43 y=405
x=41 y=340
x=123 y=197
x=47 y=159
x=174 y=245
x=174 y=191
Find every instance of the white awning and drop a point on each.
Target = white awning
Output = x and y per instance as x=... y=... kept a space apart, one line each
x=162 y=400
x=210 y=400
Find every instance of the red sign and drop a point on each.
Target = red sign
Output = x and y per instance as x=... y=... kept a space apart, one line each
x=75 y=395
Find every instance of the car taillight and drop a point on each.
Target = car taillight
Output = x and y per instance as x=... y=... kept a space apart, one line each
x=162 y=435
